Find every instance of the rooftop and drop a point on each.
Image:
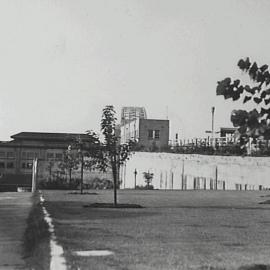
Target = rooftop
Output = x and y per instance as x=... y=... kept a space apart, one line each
x=48 y=136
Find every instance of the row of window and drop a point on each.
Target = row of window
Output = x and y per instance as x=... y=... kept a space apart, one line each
x=8 y=165
x=30 y=155
x=8 y=154
x=27 y=165
x=57 y=156
x=11 y=165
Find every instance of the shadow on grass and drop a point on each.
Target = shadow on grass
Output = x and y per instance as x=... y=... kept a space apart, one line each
x=244 y=267
x=234 y=226
x=36 y=244
x=255 y=267
x=84 y=193
x=206 y=267
x=111 y=205
x=265 y=202
x=76 y=212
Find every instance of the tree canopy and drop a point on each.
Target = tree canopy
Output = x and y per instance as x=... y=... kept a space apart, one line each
x=114 y=153
x=256 y=122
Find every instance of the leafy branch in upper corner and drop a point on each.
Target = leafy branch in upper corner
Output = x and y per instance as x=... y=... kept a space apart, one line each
x=255 y=123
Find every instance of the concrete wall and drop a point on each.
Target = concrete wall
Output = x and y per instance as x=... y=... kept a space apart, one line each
x=179 y=171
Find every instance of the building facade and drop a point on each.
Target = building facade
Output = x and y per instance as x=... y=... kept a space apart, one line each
x=150 y=134
x=227 y=132
x=17 y=155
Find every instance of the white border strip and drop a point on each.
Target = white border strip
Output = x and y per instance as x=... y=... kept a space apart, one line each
x=58 y=261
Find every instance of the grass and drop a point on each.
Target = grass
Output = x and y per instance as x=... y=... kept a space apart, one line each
x=36 y=238
x=175 y=229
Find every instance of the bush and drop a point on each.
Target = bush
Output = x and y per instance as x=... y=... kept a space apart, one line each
x=98 y=183
x=150 y=187
x=59 y=184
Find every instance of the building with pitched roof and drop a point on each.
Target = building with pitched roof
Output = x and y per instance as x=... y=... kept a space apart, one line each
x=17 y=155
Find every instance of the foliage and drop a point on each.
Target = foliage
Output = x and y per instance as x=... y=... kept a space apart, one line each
x=59 y=183
x=148 y=178
x=98 y=183
x=93 y=152
x=70 y=162
x=150 y=187
x=86 y=151
x=113 y=153
x=255 y=123
x=49 y=169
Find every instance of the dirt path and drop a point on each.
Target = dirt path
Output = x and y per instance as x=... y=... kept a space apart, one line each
x=14 y=210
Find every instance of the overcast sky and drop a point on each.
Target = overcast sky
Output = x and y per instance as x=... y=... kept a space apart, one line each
x=62 y=61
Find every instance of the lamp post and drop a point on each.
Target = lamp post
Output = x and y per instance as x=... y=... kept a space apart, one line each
x=135 y=176
x=213 y=115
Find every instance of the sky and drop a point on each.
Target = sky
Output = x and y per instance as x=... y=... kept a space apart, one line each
x=62 y=61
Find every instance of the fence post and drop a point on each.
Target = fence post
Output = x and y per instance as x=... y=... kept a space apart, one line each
x=34 y=175
x=166 y=180
x=216 y=177
x=124 y=172
x=183 y=173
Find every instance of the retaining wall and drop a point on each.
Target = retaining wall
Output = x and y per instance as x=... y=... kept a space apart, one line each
x=188 y=171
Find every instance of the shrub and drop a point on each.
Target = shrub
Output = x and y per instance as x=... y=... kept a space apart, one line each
x=58 y=184
x=150 y=187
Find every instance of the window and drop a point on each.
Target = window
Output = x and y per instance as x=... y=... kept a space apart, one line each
x=2 y=154
x=50 y=156
x=27 y=165
x=150 y=134
x=10 y=155
x=23 y=155
x=10 y=165
x=2 y=165
x=153 y=134
x=30 y=155
x=59 y=156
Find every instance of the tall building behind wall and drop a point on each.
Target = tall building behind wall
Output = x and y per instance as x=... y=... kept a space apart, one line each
x=131 y=113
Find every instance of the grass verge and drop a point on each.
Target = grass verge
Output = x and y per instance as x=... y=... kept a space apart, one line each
x=36 y=238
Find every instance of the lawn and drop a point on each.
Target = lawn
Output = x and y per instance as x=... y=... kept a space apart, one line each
x=175 y=229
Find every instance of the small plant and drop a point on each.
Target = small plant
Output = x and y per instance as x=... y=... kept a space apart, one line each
x=148 y=178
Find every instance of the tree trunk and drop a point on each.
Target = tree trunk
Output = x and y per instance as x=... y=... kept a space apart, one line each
x=82 y=174
x=70 y=170
x=114 y=184
x=50 y=173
